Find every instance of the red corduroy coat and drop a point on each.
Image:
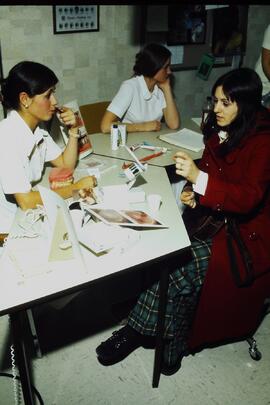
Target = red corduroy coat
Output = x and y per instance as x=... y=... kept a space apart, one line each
x=240 y=184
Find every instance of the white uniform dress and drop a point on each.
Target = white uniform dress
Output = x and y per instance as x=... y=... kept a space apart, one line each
x=134 y=103
x=258 y=67
x=22 y=157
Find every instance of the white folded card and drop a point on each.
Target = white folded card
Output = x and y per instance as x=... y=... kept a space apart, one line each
x=120 y=195
x=185 y=138
x=100 y=237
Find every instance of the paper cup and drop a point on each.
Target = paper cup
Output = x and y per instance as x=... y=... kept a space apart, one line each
x=154 y=201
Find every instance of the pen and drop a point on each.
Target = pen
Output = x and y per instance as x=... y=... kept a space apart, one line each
x=148 y=157
x=153 y=155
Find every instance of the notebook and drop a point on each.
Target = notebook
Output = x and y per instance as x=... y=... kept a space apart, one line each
x=185 y=138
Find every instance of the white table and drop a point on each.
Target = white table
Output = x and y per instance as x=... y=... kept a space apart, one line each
x=64 y=278
x=102 y=145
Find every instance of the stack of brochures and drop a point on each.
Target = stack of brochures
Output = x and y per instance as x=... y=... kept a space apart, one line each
x=185 y=138
x=100 y=237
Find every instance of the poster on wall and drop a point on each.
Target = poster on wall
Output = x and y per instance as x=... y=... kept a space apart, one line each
x=77 y=18
x=229 y=30
x=186 y=24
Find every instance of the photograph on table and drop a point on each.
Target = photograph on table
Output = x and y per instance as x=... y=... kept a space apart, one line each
x=132 y=218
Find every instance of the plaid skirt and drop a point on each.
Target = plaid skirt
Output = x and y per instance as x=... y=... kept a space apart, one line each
x=183 y=292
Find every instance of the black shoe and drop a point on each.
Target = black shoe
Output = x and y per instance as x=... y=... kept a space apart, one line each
x=118 y=346
x=172 y=369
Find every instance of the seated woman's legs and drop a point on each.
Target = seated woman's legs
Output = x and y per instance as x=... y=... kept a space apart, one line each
x=184 y=287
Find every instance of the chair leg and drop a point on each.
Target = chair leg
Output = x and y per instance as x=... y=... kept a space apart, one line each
x=34 y=332
x=255 y=354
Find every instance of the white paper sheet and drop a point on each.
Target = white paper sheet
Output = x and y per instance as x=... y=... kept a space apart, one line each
x=185 y=138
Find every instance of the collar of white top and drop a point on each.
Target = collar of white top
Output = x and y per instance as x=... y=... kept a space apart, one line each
x=147 y=95
x=223 y=135
x=29 y=140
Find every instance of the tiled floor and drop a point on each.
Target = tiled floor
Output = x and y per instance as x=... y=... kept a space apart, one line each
x=69 y=374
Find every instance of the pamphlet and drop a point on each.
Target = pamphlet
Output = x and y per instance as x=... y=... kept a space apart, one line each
x=85 y=147
x=197 y=120
x=128 y=217
x=185 y=138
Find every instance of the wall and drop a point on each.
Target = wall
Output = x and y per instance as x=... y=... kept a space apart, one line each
x=190 y=90
x=91 y=66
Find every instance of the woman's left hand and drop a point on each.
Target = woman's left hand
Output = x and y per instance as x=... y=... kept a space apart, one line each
x=185 y=166
x=166 y=85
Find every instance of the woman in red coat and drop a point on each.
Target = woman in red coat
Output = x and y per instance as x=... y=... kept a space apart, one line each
x=233 y=179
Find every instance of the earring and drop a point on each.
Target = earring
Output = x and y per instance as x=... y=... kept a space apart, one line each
x=26 y=106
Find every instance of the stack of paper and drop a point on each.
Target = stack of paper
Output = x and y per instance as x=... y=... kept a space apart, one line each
x=100 y=237
x=185 y=138
x=197 y=120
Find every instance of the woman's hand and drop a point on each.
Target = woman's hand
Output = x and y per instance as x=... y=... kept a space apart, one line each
x=68 y=117
x=152 y=125
x=86 y=182
x=165 y=86
x=185 y=167
x=188 y=198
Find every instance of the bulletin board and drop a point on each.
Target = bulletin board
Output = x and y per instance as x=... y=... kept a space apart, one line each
x=218 y=33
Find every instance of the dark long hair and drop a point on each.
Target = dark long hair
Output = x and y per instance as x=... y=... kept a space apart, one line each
x=30 y=77
x=151 y=59
x=243 y=86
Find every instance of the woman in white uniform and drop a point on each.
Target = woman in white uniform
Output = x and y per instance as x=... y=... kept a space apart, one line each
x=143 y=100
x=28 y=95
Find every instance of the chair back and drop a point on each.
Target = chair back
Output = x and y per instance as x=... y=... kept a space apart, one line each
x=92 y=115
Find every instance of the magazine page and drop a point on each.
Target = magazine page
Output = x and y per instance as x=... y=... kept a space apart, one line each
x=85 y=147
x=132 y=218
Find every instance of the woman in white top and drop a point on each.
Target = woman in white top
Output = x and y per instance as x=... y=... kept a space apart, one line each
x=263 y=67
x=28 y=95
x=143 y=100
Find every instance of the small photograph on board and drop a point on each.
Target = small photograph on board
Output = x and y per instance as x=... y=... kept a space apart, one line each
x=186 y=24
x=205 y=66
x=229 y=30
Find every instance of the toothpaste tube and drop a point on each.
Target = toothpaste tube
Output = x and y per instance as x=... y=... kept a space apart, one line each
x=157 y=148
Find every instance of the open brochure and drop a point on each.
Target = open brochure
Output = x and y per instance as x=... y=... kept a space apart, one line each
x=84 y=144
x=132 y=218
x=185 y=138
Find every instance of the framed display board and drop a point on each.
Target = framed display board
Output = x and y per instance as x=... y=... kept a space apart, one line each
x=78 y=18
x=191 y=31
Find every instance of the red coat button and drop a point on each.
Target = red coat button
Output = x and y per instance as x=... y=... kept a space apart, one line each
x=253 y=236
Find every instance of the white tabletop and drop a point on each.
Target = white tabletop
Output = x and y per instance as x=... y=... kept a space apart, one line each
x=102 y=145
x=58 y=278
